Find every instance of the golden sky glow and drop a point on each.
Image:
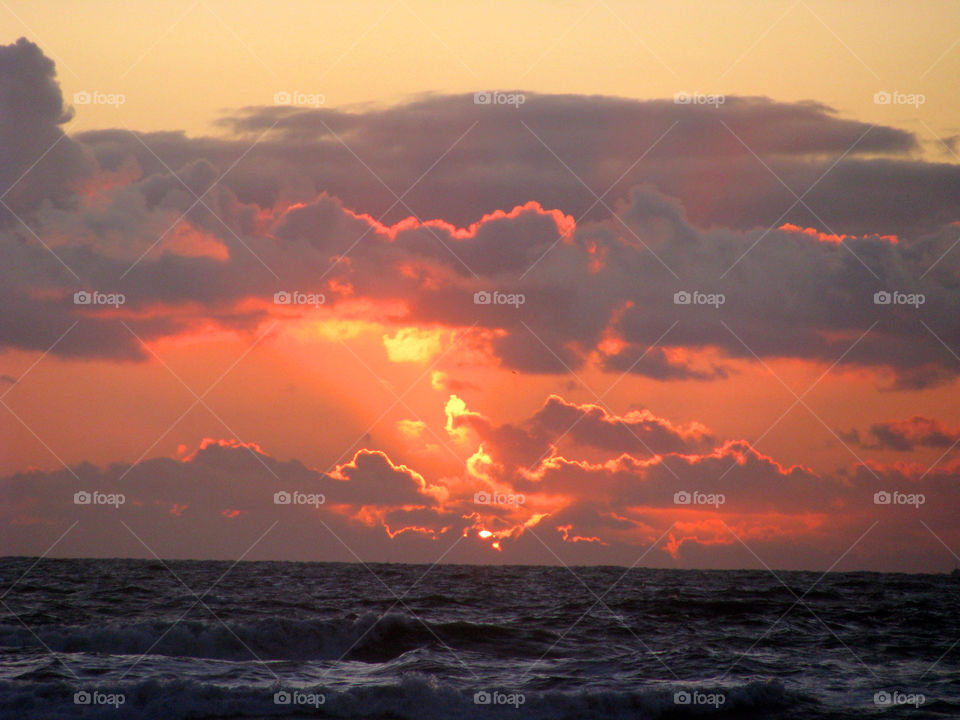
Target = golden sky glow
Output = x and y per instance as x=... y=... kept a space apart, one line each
x=181 y=63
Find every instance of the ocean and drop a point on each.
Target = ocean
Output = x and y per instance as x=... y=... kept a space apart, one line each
x=201 y=639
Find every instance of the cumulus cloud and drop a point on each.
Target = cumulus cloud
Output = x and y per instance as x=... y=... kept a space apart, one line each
x=701 y=160
x=695 y=499
x=591 y=428
x=372 y=479
x=38 y=162
x=183 y=504
x=703 y=493
x=203 y=247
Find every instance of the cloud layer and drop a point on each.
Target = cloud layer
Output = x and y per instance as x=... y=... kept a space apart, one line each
x=205 y=231
x=571 y=480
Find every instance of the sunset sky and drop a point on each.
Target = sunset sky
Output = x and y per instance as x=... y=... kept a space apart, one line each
x=288 y=220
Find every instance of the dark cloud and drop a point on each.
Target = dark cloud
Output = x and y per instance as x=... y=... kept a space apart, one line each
x=500 y=159
x=194 y=506
x=372 y=479
x=655 y=362
x=589 y=430
x=637 y=433
x=186 y=249
x=37 y=161
x=903 y=435
x=219 y=500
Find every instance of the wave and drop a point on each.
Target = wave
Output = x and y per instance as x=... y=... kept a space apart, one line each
x=368 y=638
x=414 y=698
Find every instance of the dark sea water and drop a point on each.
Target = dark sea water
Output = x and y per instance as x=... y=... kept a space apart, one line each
x=79 y=636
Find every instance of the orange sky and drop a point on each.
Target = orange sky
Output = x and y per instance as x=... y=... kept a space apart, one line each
x=181 y=63
x=595 y=397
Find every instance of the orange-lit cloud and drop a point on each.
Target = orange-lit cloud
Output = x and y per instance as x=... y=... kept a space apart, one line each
x=411 y=344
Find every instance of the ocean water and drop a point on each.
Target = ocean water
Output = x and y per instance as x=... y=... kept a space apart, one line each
x=184 y=639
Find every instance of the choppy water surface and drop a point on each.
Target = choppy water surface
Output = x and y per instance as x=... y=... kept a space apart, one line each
x=140 y=639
